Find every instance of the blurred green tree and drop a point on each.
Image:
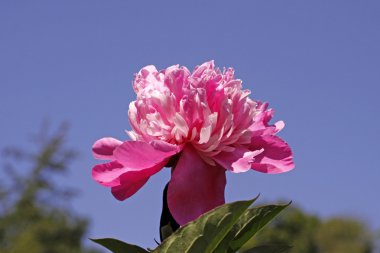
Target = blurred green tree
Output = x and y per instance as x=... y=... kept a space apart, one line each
x=34 y=213
x=310 y=234
x=338 y=235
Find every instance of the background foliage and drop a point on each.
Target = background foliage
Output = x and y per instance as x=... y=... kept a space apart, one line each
x=309 y=234
x=34 y=214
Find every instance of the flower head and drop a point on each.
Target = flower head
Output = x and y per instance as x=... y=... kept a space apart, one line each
x=203 y=120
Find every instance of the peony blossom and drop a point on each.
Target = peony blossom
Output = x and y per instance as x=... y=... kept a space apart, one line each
x=200 y=123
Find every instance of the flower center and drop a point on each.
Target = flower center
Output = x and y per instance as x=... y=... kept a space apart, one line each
x=207 y=109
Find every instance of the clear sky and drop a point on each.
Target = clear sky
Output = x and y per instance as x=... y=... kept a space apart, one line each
x=316 y=62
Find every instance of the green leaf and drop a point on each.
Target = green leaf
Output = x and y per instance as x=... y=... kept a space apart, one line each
x=272 y=248
x=252 y=221
x=117 y=246
x=206 y=232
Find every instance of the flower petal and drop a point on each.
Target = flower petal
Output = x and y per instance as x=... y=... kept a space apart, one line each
x=195 y=187
x=276 y=158
x=165 y=146
x=124 y=181
x=237 y=161
x=140 y=155
x=128 y=187
x=108 y=174
x=261 y=125
x=103 y=148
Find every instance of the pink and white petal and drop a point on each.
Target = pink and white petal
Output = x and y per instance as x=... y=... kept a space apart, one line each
x=140 y=155
x=262 y=118
x=237 y=161
x=244 y=163
x=199 y=70
x=195 y=187
x=103 y=148
x=276 y=158
x=261 y=125
x=279 y=125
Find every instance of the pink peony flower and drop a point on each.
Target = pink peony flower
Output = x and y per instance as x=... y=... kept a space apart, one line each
x=201 y=124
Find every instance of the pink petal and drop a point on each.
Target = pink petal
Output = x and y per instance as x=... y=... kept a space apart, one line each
x=199 y=70
x=128 y=187
x=165 y=146
x=140 y=155
x=195 y=187
x=175 y=77
x=103 y=148
x=277 y=156
x=108 y=174
x=124 y=181
x=237 y=161
x=261 y=125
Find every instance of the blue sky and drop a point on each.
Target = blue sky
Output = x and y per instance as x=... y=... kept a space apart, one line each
x=316 y=62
